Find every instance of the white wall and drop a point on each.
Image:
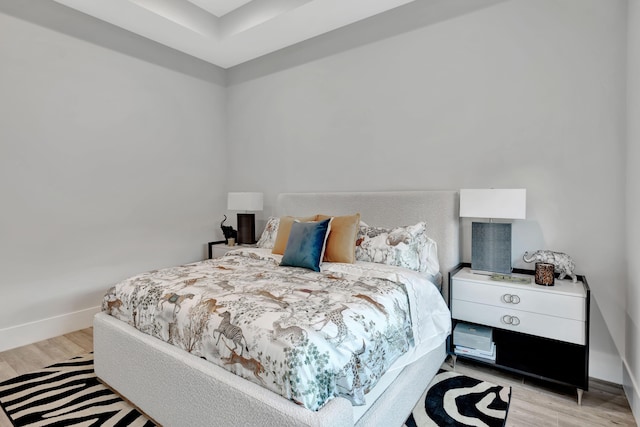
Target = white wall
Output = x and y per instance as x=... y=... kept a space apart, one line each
x=93 y=187
x=109 y=165
x=632 y=350
x=525 y=94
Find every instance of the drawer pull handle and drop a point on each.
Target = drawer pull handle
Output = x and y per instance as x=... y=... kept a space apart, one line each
x=510 y=299
x=510 y=320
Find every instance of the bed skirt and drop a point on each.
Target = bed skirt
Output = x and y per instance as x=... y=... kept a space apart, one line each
x=176 y=388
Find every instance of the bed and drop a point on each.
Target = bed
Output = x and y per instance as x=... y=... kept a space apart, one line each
x=175 y=387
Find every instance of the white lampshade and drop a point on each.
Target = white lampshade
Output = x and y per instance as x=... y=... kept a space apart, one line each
x=244 y=201
x=494 y=203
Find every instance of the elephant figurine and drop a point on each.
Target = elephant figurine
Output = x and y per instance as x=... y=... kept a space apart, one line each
x=563 y=264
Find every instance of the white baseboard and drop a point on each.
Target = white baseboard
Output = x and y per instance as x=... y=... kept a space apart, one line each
x=28 y=333
x=632 y=391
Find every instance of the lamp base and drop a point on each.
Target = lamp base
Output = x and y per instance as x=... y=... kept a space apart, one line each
x=246 y=229
x=490 y=248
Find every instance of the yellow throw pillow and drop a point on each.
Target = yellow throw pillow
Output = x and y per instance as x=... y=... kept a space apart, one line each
x=341 y=243
x=284 y=229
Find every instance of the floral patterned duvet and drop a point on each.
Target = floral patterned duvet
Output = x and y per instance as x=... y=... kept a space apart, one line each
x=307 y=336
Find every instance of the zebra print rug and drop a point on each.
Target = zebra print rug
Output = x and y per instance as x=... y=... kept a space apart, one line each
x=66 y=394
x=455 y=400
x=69 y=393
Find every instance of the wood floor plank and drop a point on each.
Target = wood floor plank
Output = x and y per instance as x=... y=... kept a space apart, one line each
x=6 y=371
x=525 y=414
x=27 y=358
x=83 y=338
x=59 y=348
x=4 y=421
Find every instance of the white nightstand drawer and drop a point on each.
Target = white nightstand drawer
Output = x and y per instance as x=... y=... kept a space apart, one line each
x=532 y=324
x=521 y=298
x=542 y=325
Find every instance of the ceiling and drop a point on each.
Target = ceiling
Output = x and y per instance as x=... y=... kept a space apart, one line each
x=229 y=32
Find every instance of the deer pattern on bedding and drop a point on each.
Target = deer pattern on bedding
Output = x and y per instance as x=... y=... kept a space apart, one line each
x=308 y=336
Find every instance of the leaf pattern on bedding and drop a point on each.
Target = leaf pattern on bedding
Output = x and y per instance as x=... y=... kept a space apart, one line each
x=305 y=335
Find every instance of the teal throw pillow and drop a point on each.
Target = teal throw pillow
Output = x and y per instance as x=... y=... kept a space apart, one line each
x=306 y=243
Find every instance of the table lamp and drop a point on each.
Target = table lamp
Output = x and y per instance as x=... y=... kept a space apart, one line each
x=491 y=241
x=246 y=221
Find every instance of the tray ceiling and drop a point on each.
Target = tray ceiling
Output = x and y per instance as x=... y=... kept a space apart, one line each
x=230 y=32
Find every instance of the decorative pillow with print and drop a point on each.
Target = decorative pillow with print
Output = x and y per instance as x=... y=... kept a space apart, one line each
x=268 y=238
x=408 y=247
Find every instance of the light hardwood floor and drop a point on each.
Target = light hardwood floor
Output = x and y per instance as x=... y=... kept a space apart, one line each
x=538 y=404
x=532 y=403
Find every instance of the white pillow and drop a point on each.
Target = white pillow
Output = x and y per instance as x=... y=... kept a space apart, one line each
x=408 y=247
x=268 y=238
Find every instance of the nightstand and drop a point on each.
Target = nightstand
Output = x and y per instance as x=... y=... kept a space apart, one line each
x=539 y=331
x=218 y=249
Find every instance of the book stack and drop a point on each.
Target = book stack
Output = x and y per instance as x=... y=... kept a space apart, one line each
x=474 y=341
x=474 y=352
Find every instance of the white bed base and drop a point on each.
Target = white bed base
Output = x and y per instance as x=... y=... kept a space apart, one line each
x=178 y=389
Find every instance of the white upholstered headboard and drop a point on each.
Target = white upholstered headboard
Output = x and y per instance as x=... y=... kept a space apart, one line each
x=393 y=208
